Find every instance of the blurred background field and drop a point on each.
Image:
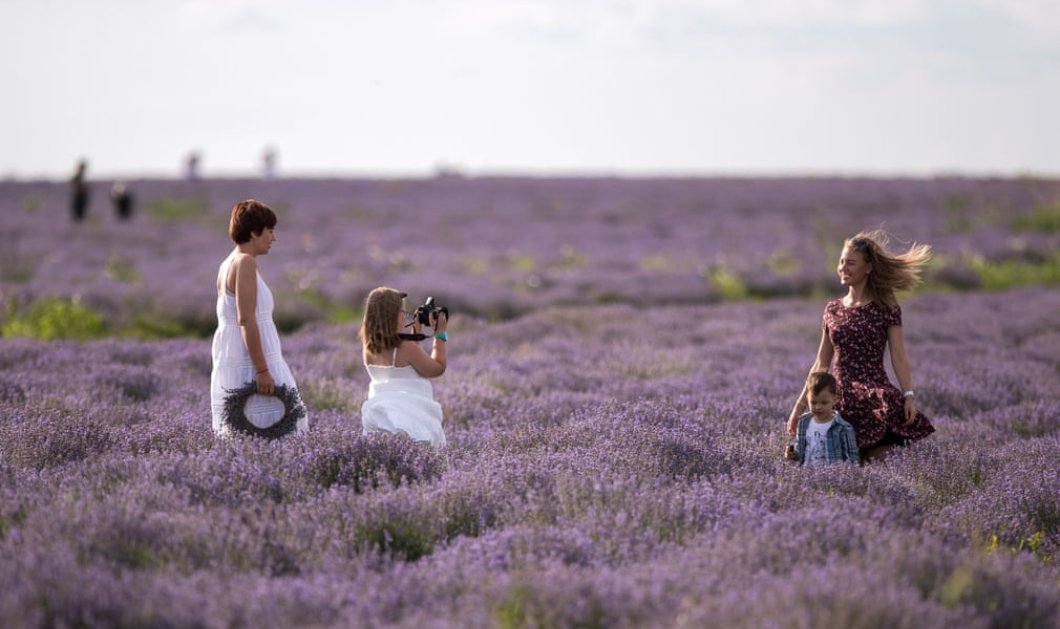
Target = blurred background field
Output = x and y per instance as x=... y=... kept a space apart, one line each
x=498 y=248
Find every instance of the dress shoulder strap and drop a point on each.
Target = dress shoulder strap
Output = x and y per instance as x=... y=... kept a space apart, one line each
x=393 y=362
x=226 y=269
x=222 y=275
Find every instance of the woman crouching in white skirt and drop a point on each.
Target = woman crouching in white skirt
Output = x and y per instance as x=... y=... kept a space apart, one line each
x=400 y=396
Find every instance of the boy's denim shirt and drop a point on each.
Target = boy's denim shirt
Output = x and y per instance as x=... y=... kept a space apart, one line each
x=840 y=444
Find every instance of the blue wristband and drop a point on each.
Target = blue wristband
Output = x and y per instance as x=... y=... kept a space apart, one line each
x=442 y=336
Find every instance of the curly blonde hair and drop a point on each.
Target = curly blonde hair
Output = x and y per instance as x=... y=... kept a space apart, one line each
x=381 y=309
x=890 y=271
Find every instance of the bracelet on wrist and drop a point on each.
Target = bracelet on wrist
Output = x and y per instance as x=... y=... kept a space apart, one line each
x=265 y=370
x=909 y=393
x=442 y=336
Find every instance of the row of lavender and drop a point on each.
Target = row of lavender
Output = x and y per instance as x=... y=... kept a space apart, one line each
x=500 y=247
x=607 y=466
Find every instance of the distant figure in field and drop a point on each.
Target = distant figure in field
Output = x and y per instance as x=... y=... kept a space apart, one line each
x=856 y=330
x=79 y=192
x=122 y=198
x=191 y=166
x=246 y=346
x=400 y=396
x=823 y=436
x=268 y=163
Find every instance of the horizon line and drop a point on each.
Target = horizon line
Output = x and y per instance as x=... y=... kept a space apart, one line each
x=455 y=173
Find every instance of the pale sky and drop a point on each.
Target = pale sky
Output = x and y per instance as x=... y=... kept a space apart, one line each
x=399 y=87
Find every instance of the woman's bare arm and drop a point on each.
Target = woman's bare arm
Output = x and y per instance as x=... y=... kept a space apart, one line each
x=900 y=362
x=823 y=362
x=246 y=312
x=427 y=366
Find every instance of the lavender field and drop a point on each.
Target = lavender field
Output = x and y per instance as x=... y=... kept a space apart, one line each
x=498 y=248
x=623 y=356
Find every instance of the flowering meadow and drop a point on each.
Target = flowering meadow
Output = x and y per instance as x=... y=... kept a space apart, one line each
x=623 y=356
x=498 y=248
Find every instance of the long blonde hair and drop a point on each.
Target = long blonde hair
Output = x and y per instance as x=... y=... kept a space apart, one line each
x=381 y=309
x=890 y=271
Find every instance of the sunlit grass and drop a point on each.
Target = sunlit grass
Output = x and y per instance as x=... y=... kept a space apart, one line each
x=999 y=275
x=171 y=210
x=52 y=319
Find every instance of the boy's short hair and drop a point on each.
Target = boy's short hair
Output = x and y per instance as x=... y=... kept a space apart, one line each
x=820 y=381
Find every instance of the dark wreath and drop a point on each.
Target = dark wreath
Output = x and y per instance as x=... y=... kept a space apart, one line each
x=234 y=415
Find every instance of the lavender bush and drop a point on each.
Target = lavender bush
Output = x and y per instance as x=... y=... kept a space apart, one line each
x=608 y=466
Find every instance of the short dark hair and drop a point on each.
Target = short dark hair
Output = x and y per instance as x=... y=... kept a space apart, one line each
x=820 y=381
x=250 y=217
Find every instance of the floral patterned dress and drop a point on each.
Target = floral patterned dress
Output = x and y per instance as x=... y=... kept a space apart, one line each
x=866 y=398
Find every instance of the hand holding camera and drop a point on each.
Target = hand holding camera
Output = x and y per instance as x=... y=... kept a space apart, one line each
x=430 y=315
x=441 y=321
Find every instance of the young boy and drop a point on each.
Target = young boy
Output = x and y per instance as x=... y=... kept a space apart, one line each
x=823 y=436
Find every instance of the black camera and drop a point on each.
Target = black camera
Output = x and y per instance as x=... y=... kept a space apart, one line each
x=428 y=311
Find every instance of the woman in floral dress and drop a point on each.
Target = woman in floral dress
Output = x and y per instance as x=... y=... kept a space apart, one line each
x=855 y=332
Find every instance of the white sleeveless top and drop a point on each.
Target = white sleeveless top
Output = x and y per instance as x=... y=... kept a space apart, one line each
x=232 y=367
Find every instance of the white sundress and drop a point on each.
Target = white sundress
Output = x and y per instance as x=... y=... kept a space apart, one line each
x=232 y=367
x=401 y=400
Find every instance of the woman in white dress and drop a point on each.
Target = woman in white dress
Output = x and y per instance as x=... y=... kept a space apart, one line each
x=400 y=396
x=246 y=346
